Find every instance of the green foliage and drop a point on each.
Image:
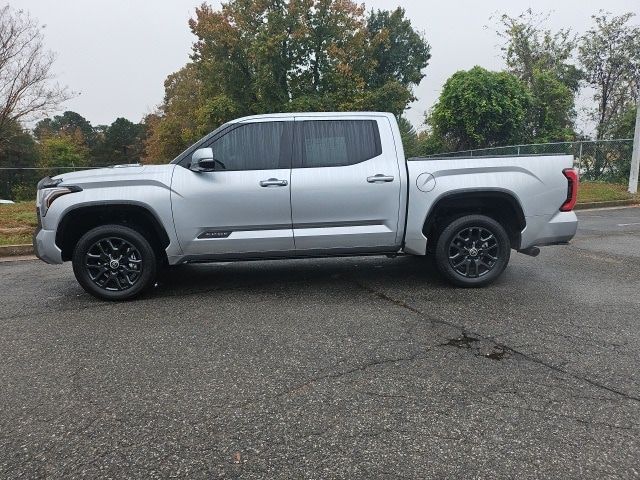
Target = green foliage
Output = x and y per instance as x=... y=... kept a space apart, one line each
x=409 y=138
x=397 y=50
x=78 y=143
x=529 y=49
x=624 y=124
x=552 y=112
x=18 y=150
x=22 y=192
x=479 y=108
x=255 y=57
x=542 y=60
x=61 y=151
x=610 y=56
x=121 y=142
x=69 y=123
x=430 y=143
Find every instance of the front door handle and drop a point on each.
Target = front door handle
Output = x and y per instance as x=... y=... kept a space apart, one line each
x=273 y=182
x=380 y=178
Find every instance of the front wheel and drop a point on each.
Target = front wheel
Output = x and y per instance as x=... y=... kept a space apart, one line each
x=472 y=251
x=114 y=262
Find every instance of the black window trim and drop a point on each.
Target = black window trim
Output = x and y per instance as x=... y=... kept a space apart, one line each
x=298 y=154
x=184 y=159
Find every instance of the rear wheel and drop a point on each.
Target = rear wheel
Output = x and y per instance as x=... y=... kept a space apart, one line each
x=472 y=251
x=114 y=262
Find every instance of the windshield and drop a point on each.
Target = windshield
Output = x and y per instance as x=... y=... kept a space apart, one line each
x=197 y=145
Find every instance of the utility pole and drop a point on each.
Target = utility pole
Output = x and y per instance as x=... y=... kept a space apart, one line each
x=635 y=156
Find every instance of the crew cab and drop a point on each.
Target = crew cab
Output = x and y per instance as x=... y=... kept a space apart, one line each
x=302 y=185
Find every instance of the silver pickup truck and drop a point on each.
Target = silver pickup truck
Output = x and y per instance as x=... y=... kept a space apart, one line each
x=302 y=185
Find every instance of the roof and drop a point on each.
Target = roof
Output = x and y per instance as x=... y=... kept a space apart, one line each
x=311 y=115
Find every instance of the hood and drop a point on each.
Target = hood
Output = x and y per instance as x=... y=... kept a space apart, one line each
x=116 y=173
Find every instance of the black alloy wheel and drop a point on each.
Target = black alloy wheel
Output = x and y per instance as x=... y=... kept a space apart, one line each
x=114 y=262
x=472 y=251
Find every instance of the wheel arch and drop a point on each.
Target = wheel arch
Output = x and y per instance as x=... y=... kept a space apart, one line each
x=503 y=206
x=78 y=220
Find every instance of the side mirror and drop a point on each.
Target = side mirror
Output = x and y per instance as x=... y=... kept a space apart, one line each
x=202 y=160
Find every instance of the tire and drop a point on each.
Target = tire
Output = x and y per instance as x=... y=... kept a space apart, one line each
x=472 y=251
x=99 y=268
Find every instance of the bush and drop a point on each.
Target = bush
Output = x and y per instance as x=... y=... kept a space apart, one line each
x=23 y=192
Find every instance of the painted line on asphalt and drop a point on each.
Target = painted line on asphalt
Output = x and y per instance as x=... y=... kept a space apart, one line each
x=628 y=224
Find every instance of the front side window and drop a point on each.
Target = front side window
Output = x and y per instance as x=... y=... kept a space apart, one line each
x=251 y=146
x=338 y=143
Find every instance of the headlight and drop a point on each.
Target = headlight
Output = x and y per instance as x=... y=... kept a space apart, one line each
x=48 y=191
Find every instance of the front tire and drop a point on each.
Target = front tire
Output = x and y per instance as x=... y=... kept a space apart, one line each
x=472 y=251
x=114 y=262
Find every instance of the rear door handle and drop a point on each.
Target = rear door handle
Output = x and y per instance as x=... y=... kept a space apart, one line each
x=273 y=182
x=380 y=178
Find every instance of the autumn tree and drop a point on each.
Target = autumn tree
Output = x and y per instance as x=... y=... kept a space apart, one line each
x=185 y=115
x=264 y=56
x=610 y=57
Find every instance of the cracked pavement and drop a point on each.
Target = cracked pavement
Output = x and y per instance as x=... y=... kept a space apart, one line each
x=335 y=368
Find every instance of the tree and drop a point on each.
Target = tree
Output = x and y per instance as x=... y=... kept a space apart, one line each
x=121 y=142
x=399 y=52
x=430 y=143
x=551 y=116
x=62 y=151
x=25 y=72
x=264 y=56
x=186 y=114
x=610 y=56
x=624 y=124
x=542 y=59
x=18 y=184
x=409 y=138
x=479 y=108
x=68 y=123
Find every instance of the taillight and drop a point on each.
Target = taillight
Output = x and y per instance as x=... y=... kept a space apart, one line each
x=572 y=189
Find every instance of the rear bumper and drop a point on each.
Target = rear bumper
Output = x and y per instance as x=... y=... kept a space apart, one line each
x=44 y=245
x=542 y=230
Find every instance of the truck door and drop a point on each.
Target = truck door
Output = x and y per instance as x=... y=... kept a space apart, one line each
x=243 y=207
x=345 y=185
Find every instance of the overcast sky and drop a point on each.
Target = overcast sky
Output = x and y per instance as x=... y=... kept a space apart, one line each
x=116 y=53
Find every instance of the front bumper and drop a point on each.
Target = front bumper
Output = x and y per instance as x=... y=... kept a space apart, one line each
x=44 y=245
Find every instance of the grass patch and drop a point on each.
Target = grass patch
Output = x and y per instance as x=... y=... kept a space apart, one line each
x=17 y=223
x=20 y=239
x=603 y=192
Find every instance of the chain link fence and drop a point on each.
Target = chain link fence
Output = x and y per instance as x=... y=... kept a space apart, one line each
x=601 y=160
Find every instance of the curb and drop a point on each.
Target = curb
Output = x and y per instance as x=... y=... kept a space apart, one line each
x=16 y=250
x=612 y=203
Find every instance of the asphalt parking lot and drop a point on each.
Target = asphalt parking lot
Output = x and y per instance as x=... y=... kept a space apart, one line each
x=340 y=368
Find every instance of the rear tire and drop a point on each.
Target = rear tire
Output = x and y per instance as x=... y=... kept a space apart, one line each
x=114 y=262
x=472 y=251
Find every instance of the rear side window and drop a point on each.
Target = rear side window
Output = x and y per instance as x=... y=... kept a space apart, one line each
x=252 y=146
x=338 y=143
